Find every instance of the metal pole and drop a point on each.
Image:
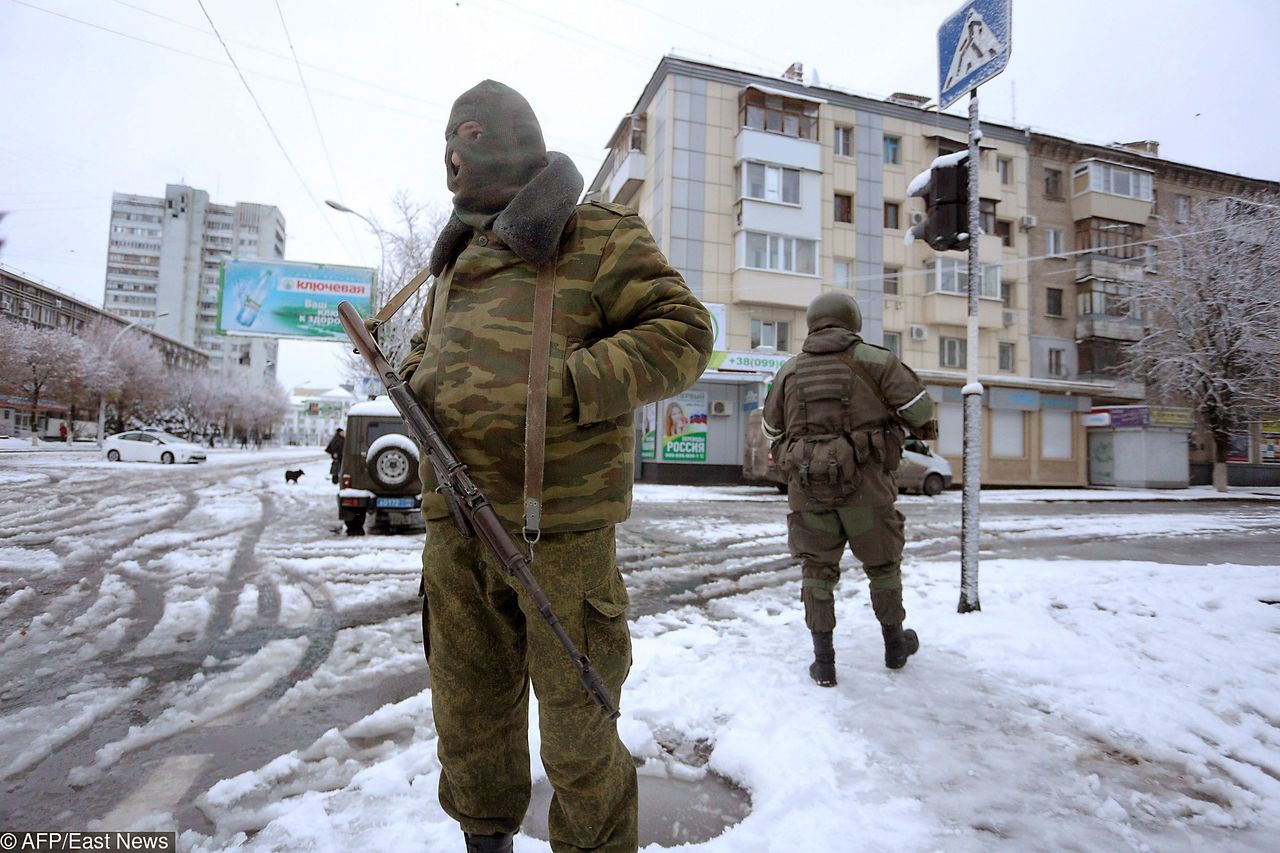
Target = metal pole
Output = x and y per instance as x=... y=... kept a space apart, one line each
x=972 y=389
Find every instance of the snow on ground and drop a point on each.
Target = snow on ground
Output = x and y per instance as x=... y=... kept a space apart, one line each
x=1090 y=705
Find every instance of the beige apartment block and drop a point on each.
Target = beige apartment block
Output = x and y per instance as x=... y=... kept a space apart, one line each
x=765 y=192
x=1104 y=214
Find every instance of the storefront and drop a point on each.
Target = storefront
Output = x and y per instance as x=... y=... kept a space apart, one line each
x=1139 y=446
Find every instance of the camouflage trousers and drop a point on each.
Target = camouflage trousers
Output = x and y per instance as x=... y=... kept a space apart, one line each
x=486 y=644
x=875 y=536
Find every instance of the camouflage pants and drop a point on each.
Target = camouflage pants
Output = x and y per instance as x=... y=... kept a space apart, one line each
x=486 y=643
x=873 y=533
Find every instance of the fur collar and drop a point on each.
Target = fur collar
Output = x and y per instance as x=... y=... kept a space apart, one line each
x=531 y=225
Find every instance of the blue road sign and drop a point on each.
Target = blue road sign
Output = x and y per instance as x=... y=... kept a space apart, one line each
x=973 y=47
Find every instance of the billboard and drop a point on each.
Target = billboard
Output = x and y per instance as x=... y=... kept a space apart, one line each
x=289 y=299
x=684 y=428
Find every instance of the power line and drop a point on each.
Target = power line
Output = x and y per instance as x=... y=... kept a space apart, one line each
x=314 y=117
x=267 y=121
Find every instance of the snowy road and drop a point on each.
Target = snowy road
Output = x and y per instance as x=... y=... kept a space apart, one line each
x=199 y=647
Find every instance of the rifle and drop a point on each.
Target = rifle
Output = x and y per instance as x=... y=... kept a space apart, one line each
x=471 y=511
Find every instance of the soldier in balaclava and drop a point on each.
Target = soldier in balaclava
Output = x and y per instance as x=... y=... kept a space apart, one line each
x=835 y=418
x=624 y=331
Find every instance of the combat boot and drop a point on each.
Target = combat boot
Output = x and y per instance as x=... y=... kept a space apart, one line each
x=898 y=645
x=823 y=668
x=497 y=843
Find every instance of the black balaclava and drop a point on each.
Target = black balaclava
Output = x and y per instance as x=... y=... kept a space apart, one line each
x=495 y=166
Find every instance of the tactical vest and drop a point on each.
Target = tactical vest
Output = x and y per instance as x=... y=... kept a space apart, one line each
x=838 y=432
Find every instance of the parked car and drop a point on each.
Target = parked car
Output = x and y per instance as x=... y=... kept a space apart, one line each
x=922 y=470
x=151 y=446
x=379 y=472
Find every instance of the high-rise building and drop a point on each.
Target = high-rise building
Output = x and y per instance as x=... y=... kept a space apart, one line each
x=163 y=261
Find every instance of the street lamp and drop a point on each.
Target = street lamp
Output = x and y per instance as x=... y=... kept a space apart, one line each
x=102 y=398
x=373 y=226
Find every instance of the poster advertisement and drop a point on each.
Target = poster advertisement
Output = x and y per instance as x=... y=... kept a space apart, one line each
x=1269 y=446
x=287 y=299
x=649 y=432
x=684 y=427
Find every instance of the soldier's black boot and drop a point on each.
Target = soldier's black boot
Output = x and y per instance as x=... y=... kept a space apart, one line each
x=823 y=668
x=499 y=843
x=898 y=645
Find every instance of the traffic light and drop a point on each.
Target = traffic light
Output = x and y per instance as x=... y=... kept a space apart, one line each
x=945 y=189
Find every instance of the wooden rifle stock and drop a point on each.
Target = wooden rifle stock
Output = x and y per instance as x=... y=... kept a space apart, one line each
x=470 y=509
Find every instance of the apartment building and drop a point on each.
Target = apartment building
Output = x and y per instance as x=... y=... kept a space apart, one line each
x=765 y=192
x=163 y=261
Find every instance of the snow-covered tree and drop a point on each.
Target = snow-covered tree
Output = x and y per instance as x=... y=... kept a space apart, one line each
x=33 y=359
x=142 y=387
x=407 y=246
x=1212 y=319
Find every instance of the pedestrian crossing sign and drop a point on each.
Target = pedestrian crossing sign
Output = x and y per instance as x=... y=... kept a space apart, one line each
x=973 y=47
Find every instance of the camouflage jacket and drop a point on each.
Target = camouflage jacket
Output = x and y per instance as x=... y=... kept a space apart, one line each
x=820 y=415
x=626 y=331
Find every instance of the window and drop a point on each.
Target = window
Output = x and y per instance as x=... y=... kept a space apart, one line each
x=1109 y=237
x=1053 y=242
x=892 y=279
x=1006 y=292
x=892 y=215
x=1053 y=301
x=1006 y=357
x=893 y=149
x=780 y=253
x=778 y=114
x=951 y=352
x=1004 y=168
x=1056 y=365
x=1100 y=356
x=1104 y=298
x=1182 y=208
x=844 y=142
x=844 y=208
x=893 y=343
x=951 y=276
x=771 y=183
x=843 y=275
x=1097 y=176
x=1008 y=438
x=1150 y=259
x=1004 y=230
x=987 y=215
x=769 y=333
x=1056 y=434
x=1053 y=183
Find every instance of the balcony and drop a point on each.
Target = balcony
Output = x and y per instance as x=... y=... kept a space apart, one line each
x=1106 y=268
x=952 y=309
x=1107 y=326
x=781 y=290
x=1104 y=190
x=628 y=178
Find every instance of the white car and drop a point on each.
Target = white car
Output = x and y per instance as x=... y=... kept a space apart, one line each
x=151 y=446
x=922 y=470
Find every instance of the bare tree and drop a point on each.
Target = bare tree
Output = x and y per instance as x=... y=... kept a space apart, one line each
x=1212 y=319
x=407 y=246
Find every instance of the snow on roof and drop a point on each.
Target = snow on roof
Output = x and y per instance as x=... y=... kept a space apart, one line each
x=380 y=406
x=786 y=93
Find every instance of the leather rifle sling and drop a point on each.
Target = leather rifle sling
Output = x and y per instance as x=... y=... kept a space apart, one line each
x=535 y=424
x=394 y=304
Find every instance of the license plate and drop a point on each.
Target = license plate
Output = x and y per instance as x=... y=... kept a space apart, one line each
x=397 y=503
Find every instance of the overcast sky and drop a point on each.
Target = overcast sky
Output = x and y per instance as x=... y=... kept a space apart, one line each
x=128 y=95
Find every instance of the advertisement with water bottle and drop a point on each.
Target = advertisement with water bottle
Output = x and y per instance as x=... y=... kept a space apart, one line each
x=289 y=299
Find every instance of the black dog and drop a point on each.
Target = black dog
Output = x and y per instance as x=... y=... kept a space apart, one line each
x=292 y=476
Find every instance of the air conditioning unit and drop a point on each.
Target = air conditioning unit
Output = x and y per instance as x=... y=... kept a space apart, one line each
x=919 y=333
x=720 y=408
x=916 y=217
x=1010 y=317
x=1028 y=221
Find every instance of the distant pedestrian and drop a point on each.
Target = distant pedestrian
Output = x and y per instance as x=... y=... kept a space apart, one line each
x=334 y=449
x=62 y=431
x=834 y=418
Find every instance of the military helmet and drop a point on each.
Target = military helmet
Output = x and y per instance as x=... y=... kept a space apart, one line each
x=834 y=308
